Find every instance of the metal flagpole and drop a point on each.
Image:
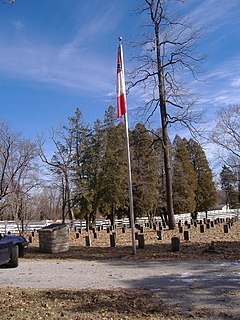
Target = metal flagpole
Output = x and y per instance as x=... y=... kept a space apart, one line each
x=130 y=185
x=129 y=168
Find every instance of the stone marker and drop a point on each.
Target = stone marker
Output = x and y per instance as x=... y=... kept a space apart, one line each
x=88 y=240
x=202 y=228
x=54 y=238
x=113 y=240
x=186 y=235
x=175 y=244
x=141 y=241
x=159 y=235
x=225 y=228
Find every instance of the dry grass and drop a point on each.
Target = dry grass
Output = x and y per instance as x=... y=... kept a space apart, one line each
x=139 y=304
x=227 y=245
x=85 y=304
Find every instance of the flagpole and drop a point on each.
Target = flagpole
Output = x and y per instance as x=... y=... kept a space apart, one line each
x=132 y=224
x=130 y=185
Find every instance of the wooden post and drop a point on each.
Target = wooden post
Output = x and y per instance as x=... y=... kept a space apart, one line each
x=77 y=235
x=202 y=228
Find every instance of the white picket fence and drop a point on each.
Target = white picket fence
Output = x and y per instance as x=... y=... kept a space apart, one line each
x=29 y=226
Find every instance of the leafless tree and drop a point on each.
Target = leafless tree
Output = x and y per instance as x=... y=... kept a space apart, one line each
x=11 y=1
x=17 y=165
x=226 y=134
x=167 y=50
x=60 y=165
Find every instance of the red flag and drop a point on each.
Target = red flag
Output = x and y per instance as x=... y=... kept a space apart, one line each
x=121 y=93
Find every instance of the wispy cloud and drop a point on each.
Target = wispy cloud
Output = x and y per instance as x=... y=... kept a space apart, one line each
x=19 y=25
x=75 y=65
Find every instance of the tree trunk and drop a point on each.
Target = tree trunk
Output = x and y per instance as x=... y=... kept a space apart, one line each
x=68 y=198
x=113 y=214
x=165 y=140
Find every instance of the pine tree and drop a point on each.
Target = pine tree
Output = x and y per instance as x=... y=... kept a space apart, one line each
x=145 y=174
x=114 y=181
x=184 y=179
x=228 y=182
x=206 y=194
x=92 y=162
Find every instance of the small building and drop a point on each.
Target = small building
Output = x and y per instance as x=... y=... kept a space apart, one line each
x=54 y=238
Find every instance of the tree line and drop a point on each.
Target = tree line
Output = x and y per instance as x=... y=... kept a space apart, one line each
x=86 y=176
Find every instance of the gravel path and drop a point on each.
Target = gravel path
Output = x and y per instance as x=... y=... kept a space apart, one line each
x=206 y=284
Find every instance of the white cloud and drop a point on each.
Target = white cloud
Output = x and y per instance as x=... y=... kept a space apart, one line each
x=65 y=66
x=19 y=25
x=76 y=64
x=236 y=82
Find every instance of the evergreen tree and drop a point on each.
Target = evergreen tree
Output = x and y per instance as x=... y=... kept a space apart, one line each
x=114 y=181
x=76 y=134
x=206 y=194
x=145 y=172
x=184 y=179
x=92 y=161
x=228 y=182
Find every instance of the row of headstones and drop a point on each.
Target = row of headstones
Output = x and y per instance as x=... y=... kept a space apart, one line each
x=140 y=236
x=207 y=224
x=160 y=225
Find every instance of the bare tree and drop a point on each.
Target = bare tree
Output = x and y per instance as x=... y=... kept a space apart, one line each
x=167 y=50
x=60 y=164
x=67 y=161
x=226 y=132
x=17 y=156
x=11 y=1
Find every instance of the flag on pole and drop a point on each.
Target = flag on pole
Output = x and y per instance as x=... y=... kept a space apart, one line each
x=121 y=92
x=122 y=110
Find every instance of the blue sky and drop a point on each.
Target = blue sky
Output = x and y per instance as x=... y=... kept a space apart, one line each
x=57 y=55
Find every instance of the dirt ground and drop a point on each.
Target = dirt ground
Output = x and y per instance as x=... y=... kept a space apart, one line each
x=226 y=245
x=23 y=304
